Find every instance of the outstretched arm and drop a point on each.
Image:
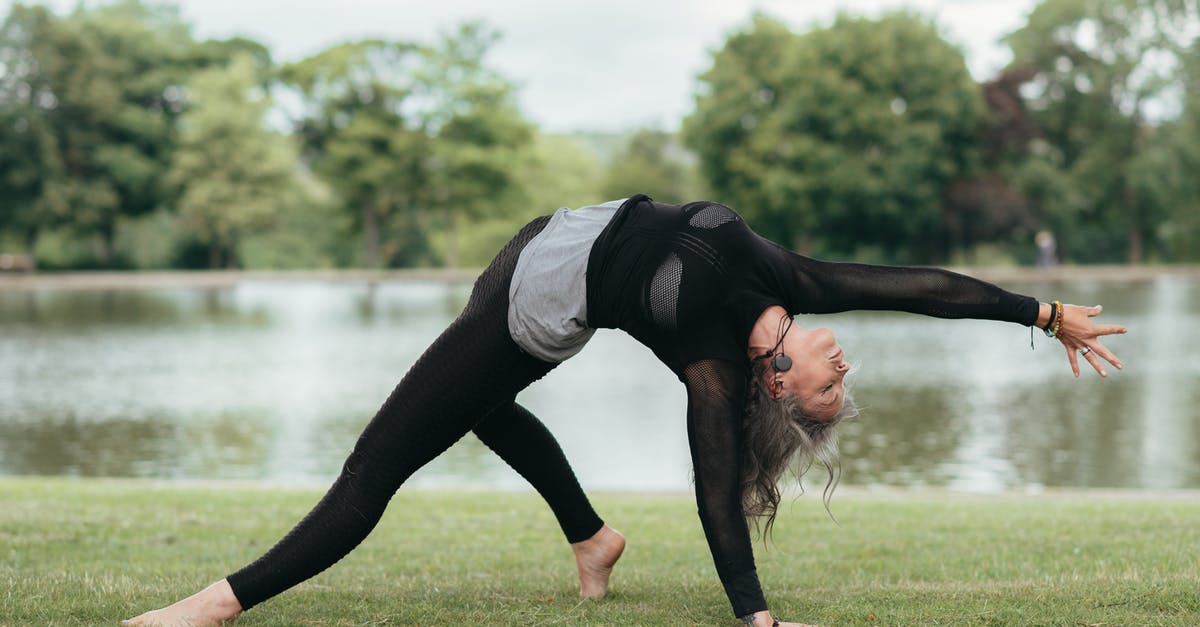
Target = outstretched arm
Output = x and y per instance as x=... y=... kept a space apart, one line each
x=827 y=287
x=814 y=286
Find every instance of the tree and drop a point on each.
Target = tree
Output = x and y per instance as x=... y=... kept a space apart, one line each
x=48 y=88
x=233 y=174
x=477 y=132
x=557 y=171
x=1173 y=167
x=358 y=133
x=553 y=171
x=651 y=163
x=844 y=136
x=1103 y=72
x=410 y=135
x=90 y=102
x=22 y=126
x=120 y=139
x=988 y=206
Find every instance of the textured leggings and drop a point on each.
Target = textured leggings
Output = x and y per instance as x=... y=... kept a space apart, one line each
x=466 y=380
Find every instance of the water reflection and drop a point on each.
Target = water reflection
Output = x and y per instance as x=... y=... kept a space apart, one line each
x=274 y=380
x=1075 y=435
x=882 y=447
x=50 y=309
x=229 y=446
x=1168 y=445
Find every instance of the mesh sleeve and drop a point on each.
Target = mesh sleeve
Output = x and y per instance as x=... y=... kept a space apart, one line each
x=826 y=287
x=716 y=396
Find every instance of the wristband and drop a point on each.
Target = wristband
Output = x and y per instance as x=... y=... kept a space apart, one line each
x=1055 y=324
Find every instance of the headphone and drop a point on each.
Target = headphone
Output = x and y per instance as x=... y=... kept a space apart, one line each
x=780 y=362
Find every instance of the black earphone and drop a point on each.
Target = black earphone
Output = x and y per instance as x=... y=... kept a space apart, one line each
x=780 y=362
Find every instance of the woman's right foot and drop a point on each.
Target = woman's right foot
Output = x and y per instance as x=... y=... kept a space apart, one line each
x=595 y=558
x=211 y=607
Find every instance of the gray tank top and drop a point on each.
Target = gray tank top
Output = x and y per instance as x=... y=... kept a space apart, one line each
x=547 y=300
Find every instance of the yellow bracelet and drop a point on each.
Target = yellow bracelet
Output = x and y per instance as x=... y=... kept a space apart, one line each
x=1055 y=324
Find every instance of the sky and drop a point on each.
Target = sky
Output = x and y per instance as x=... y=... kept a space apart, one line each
x=605 y=66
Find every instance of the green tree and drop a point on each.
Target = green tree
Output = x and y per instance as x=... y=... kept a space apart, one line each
x=221 y=52
x=233 y=174
x=1101 y=70
x=476 y=129
x=553 y=171
x=1175 y=167
x=412 y=137
x=359 y=134
x=848 y=135
x=120 y=139
x=988 y=206
x=51 y=91
x=651 y=163
x=90 y=102
x=23 y=132
x=558 y=171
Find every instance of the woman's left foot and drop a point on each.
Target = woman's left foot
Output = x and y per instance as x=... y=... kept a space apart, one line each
x=595 y=558
x=211 y=607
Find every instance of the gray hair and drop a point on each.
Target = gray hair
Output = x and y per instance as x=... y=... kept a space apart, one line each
x=773 y=433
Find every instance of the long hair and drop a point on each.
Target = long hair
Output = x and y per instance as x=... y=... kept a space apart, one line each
x=773 y=433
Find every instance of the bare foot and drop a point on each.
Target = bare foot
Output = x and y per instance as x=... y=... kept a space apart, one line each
x=595 y=558
x=211 y=607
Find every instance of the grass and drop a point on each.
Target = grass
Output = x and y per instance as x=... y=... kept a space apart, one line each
x=87 y=552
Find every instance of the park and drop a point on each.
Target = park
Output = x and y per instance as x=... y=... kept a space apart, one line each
x=218 y=255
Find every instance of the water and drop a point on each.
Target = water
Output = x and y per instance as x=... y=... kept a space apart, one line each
x=273 y=380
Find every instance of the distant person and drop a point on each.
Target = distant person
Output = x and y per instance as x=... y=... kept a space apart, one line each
x=1047 y=250
x=714 y=301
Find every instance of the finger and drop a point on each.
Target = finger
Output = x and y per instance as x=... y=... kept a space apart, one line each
x=1108 y=355
x=1092 y=312
x=1108 y=329
x=1094 y=360
x=1074 y=359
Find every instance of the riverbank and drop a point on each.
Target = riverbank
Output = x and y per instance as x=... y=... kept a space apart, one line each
x=82 y=552
x=216 y=278
x=230 y=278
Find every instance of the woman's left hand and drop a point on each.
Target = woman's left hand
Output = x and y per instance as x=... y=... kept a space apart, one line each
x=1081 y=336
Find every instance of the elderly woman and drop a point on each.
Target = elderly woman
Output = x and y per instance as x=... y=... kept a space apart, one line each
x=713 y=300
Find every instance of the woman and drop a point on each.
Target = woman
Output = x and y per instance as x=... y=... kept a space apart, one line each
x=713 y=300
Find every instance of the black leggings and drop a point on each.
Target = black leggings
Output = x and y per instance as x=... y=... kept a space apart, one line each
x=466 y=380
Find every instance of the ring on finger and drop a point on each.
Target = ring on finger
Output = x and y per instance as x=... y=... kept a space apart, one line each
x=1085 y=350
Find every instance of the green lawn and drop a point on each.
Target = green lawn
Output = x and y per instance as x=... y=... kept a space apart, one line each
x=92 y=552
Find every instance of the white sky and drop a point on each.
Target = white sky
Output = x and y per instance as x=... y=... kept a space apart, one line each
x=597 y=65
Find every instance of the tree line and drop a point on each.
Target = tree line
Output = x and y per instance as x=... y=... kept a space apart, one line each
x=126 y=142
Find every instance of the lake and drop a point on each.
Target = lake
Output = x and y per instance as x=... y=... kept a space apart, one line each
x=273 y=380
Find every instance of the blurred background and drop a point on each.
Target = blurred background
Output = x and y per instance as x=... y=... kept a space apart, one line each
x=326 y=139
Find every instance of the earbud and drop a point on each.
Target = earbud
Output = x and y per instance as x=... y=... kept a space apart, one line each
x=780 y=362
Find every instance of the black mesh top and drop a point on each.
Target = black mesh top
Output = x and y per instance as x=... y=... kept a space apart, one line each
x=690 y=281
